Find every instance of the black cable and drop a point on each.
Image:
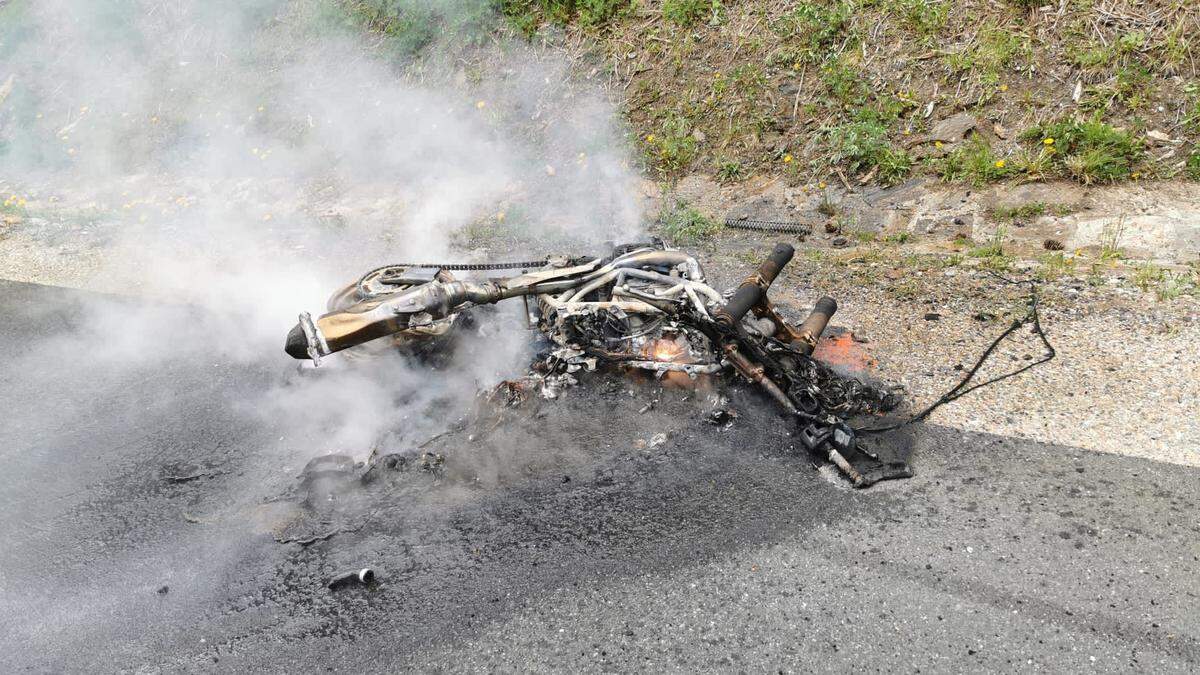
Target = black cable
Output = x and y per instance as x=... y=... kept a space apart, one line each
x=961 y=389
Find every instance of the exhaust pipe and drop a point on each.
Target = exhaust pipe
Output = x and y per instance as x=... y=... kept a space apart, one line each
x=378 y=317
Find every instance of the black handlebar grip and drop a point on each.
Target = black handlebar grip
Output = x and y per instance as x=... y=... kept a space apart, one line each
x=810 y=331
x=752 y=290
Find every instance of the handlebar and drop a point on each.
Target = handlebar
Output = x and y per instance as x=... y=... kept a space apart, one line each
x=753 y=289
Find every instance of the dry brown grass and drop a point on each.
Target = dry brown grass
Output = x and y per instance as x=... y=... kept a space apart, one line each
x=778 y=87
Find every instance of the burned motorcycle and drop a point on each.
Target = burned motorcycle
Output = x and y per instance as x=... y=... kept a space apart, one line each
x=644 y=307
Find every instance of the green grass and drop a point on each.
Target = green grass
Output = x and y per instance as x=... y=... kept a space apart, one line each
x=729 y=171
x=924 y=17
x=685 y=13
x=1192 y=167
x=845 y=81
x=674 y=147
x=511 y=224
x=684 y=224
x=863 y=146
x=1191 y=120
x=1055 y=265
x=1089 y=151
x=990 y=56
x=409 y=26
x=1029 y=210
x=1110 y=241
x=528 y=15
x=992 y=254
x=1165 y=284
x=975 y=162
x=811 y=31
x=1148 y=276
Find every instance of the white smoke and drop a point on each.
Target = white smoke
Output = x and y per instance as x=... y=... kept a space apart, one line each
x=233 y=162
x=247 y=158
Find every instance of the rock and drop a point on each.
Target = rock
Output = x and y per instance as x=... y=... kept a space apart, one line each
x=932 y=316
x=657 y=439
x=840 y=242
x=953 y=129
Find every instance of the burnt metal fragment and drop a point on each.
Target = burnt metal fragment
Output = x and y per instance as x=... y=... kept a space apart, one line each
x=363 y=577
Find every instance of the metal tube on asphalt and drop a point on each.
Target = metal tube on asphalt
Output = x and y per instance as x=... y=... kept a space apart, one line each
x=363 y=576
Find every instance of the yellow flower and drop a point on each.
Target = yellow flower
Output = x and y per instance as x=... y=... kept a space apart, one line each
x=821 y=185
x=787 y=159
x=649 y=138
x=1004 y=87
x=1135 y=175
x=500 y=217
x=937 y=144
x=999 y=164
x=717 y=75
x=1047 y=141
x=261 y=108
x=480 y=104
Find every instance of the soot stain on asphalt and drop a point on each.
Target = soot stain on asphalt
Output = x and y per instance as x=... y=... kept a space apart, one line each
x=466 y=541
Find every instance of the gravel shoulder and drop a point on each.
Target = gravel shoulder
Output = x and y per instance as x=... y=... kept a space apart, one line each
x=1124 y=380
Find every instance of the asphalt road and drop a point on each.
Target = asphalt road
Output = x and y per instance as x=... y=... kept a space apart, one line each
x=156 y=516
